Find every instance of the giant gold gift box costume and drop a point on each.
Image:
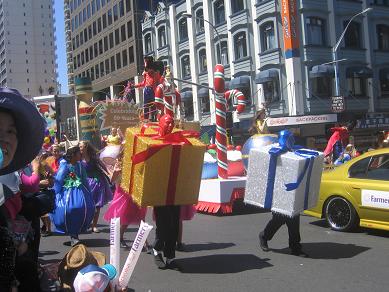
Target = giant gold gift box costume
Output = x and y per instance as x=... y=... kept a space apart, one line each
x=159 y=171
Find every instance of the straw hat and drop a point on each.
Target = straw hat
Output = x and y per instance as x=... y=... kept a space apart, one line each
x=75 y=260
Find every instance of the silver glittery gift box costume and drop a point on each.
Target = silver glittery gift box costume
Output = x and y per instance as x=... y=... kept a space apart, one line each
x=289 y=167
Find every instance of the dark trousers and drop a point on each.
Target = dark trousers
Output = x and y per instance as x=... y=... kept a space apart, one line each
x=293 y=224
x=167 y=221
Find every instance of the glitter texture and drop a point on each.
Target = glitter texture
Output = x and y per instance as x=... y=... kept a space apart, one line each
x=150 y=179
x=289 y=166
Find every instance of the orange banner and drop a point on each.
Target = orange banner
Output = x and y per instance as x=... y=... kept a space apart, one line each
x=290 y=28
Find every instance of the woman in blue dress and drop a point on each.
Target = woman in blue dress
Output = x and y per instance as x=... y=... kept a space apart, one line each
x=98 y=181
x=75 y=208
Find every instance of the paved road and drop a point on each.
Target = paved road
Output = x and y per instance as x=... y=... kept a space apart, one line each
x=223 y=255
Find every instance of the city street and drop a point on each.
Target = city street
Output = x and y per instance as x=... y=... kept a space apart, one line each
x=223 y=255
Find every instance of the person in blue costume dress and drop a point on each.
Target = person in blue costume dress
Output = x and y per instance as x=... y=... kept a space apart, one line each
x=75 y=207
x=98 y=181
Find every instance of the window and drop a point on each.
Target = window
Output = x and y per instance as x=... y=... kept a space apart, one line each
x=376 y=167
x=91 y=53
x=384 y=82
x=199 y=20
x=161 y=36
x=315 y=31
x=148 y=47
x=113 y=66
x=240 y=45
x=268 y=36
x=124 y=58
x=102 y=73
x=89 y=32
x=118 y=61
x=219 y=13
x=185 y=67
x=183 y=29
x=82 y=58
x=131 y=54
x=223 y=59
x=202 y=61
x=121 y=8
x=205 y=105
x=381 y=2
x=129 y=29
x=86 y=56
x=96 y=51
x=105 y=43
x=237 y=5
x=111 y=40
x=94 y=28
x=93 y=6
x=357 y=86
x=107 y=66
x=92 y=73
x=104 y=21
x=101 y=49
x=352 y=38
x=99 y=25
x=123 y=32
x=109 y=14
x=322 y=86
x=128 y=5
x=97 y=70
x=383 y=36
x=115 y=12
x=88 y=14
x=117 y=37
x=97 y=9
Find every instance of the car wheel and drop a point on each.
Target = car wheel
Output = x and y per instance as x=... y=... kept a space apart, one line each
x=340 y=214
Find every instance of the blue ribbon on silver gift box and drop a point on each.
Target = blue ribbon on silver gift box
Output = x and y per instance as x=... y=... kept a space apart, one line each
x=286 y=143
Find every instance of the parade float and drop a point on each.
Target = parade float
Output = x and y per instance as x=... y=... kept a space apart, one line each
x=224 y=176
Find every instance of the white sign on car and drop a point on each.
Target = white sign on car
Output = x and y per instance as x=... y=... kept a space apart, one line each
x=376 y=199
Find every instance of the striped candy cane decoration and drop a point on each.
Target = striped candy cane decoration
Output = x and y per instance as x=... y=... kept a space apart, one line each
x=158 y=99
x=221 y=133
x=238 y=99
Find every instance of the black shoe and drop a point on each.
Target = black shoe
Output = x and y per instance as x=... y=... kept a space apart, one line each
x=158 y=259
x=171 y=264
x=180 y=246
x=263 y=243
x=299 y=253
x=124 y=244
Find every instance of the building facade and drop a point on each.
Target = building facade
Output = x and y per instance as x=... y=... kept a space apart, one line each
x=27 y=46
x=103 y=42
x=287 y=68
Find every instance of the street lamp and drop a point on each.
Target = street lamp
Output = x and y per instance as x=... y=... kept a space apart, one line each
x=188 y=15
x=335 y=48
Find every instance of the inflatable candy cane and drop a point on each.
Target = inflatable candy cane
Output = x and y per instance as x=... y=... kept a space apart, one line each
x=238 y=99
x=221 y=133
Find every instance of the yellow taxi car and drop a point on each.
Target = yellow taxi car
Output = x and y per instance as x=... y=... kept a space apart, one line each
x=356 y=193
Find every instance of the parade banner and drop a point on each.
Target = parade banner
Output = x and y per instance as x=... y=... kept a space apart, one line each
x=290 y=28
x=136 y=249
x=117 y=114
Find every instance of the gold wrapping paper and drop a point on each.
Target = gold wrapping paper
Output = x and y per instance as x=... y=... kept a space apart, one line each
x=151 y=178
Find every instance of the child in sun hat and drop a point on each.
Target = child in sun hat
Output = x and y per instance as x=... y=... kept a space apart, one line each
x=93 y=278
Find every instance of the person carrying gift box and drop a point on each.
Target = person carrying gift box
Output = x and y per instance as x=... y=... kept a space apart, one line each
x=285 y=193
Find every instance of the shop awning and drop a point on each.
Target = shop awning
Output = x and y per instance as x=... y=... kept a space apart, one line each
x=266 y=76
x=359 y=72
x=186 y=96
x=321 y=71
x=240 y=82
x=384 y=74
x=203 y=93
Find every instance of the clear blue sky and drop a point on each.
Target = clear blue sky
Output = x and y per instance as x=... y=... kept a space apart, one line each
x=61 y=45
